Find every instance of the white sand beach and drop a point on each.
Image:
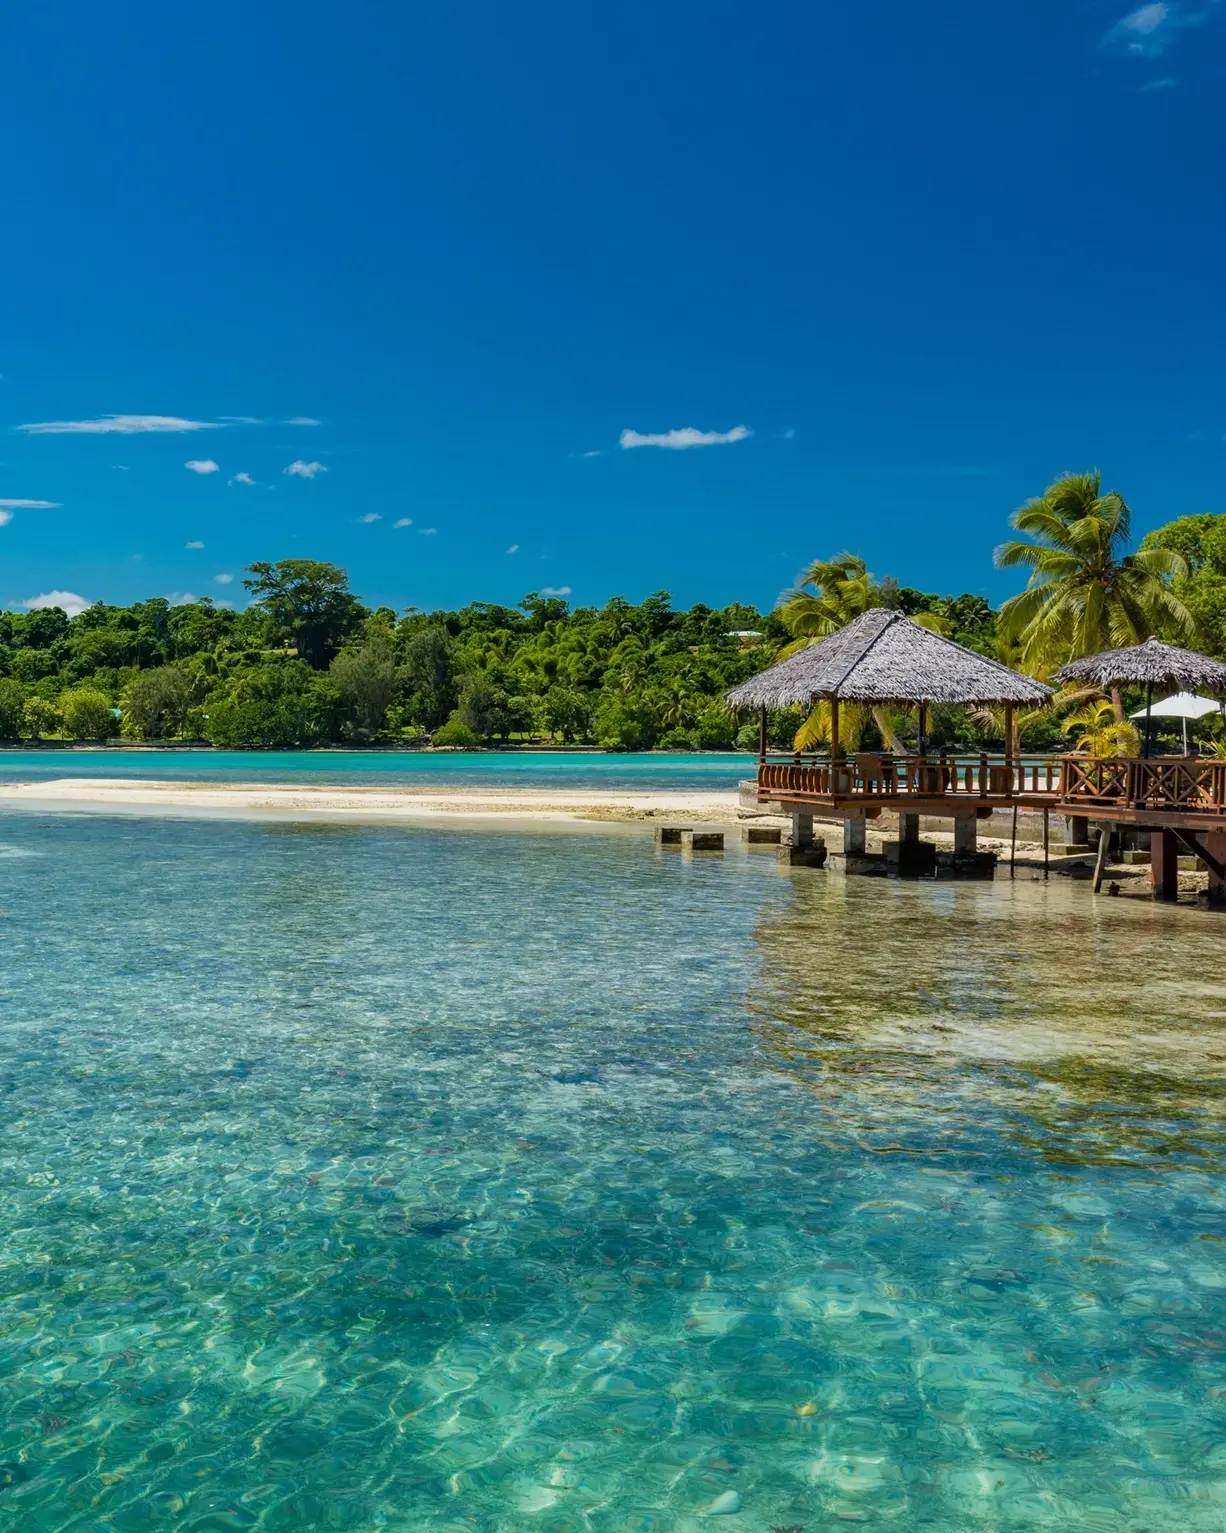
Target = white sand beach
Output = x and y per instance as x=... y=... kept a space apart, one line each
x=294 y=801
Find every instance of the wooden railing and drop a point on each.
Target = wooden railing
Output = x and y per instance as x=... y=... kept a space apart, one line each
x=883 y=776
x=1195 y=785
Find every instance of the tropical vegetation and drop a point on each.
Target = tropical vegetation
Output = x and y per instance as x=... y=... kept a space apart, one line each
x=307 y=663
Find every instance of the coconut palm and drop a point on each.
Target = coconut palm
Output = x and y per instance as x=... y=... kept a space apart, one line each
x=842 y=589
x=1085 y=593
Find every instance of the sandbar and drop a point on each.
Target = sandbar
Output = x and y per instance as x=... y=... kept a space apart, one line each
x=298 y=801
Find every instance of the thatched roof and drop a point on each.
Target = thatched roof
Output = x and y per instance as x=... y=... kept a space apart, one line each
x=883 y=657
x=1152 y=663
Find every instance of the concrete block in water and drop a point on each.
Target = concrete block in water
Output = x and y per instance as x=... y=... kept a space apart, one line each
x=980 y=865
x=804 y=856
x=669 y=835
x=762 y=835
x=703 y=840
x=910 y=859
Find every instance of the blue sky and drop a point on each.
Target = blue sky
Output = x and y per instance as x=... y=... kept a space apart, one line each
x=671 y=295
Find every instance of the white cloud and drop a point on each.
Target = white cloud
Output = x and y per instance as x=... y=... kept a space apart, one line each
x=595 y=453
x=122 y=467
x=223 y=580
x=181 y=598
x=405 y=521
x=30 y=505
x=686 y=436
x=514 y=548
x=1150 y=30
x=242 y=420
x=195 y=545
x=5 y=518
x=303 y=420
x=426 y=532
x=71 y=603
x=300 y=470
x=122 y=425
x=202 y=465
x=243 y=478
x=555 y=590
x=371 y=516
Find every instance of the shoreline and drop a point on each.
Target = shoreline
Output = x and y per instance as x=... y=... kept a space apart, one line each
x=375 y=803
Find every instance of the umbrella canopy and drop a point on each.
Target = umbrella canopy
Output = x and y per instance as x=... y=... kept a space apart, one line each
x=1151 y=664
x=1184 y=705
x=883 y=657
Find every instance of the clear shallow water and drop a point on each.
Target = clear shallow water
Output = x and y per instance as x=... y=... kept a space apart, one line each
x=649 y=772
x=379 y=1179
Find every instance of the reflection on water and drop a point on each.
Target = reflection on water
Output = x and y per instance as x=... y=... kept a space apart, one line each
x=380 y=1179
x=1103 y=1023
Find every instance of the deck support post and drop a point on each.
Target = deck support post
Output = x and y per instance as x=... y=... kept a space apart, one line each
x=834 y=730
x=1009 y=743
x=1215 y=844
x=1077 y=829
x=966 y=833
x=855 y=835
x=762 y=735
x=802 y=831
x=1164 y=864
x=908 y=826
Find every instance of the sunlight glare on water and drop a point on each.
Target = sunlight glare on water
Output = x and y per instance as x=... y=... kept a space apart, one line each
x=372 y=1178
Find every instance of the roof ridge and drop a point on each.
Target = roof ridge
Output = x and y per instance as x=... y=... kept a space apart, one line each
x=863 y=655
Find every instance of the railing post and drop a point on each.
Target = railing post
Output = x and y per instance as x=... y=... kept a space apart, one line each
x=983 y=774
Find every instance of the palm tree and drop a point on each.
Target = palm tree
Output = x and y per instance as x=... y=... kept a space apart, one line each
x=1085 y=593
x=842 y=589
x=1101 y=733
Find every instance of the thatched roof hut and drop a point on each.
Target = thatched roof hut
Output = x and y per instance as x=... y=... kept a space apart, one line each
x=1152 y=664
x=883 y=657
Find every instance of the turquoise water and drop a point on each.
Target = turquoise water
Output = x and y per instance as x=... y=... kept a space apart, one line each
x=647 y=773
x=366 y=1178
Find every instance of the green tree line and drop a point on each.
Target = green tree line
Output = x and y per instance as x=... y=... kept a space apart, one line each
x=307 y=663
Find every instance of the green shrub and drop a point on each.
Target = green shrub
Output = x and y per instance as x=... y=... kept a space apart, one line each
x=715 y=729
x=456 y=732
x=677 y=740
x=620 y=725
x=42 y=717
x=12 y=709
x=87 y=714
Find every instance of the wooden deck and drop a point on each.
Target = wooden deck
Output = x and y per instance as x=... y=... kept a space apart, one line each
x=1169 y=791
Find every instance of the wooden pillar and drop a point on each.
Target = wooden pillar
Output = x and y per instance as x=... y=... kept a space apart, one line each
x=762 y=735
x=1215 y=845
x=834 y=729
x=1009 y=741
x=1164 y=864
x=923 y=727
x=855 y=835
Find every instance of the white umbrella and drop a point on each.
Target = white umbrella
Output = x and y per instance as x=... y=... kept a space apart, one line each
x=1185 y=706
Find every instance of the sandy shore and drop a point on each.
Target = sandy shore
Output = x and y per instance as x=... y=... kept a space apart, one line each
x=292 y=801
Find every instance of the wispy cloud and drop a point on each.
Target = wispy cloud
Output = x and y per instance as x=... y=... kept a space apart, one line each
x=1151 y=29
x=555 y=590
x=5 y=518
x=514 y=548
x=68 y=601
x=202 y=465
x=1166 y=83
x=405 y=521
x=121 y=425
x=303 y=420
x=595 y=452
x=371 y=516
x=241 y=420
x=789 y=434
x=426 y=532
x=223 y=580
x=195 y=545
x=300 y=470
x=243 y=478
x=30 y=505
x=181 y=598
x=685 y=437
